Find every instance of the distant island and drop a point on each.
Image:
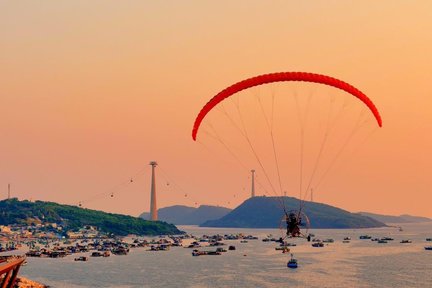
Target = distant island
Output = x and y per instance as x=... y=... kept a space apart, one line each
x=266 y=212
x=61 y=220
x=388 y=219
x=185 y=215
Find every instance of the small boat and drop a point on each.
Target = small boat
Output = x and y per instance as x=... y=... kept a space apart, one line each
x=194 y=244
x=33 y=253
x=288 y=244
x=318 y=244
x=231 y=247
x=217 y=243
x=365 y=237
x=243 y=241
x=120 y=251
x=428 y=248
x=81 y=258
x=382 y=241
x=196 y=252
x=283 y=249
x=429 y=239
x=328 y=240
x=347 y=238
x=220 y=249
x=406 y=241
x=164 y=247
x=292 y=263
x=345 y=241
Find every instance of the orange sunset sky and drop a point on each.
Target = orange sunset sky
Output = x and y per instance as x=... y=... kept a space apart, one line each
x=91 y=91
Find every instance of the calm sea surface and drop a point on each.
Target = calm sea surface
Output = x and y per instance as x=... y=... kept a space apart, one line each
x=361 y=263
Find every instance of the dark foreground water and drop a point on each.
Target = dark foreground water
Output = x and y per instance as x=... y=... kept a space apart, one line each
x=361 y=263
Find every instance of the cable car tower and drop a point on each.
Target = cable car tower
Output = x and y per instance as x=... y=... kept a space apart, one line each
x=153 y=207
x=253 y=184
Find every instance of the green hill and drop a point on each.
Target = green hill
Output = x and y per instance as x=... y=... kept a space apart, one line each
x=13 y=211
x=185 y=215
x=266 y=212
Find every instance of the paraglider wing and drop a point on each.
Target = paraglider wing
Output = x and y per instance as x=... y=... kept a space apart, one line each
x=281 y=77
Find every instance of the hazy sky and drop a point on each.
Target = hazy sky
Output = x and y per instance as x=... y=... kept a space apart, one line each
x=91 y=91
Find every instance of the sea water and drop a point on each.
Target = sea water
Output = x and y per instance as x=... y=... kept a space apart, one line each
x=360 y=263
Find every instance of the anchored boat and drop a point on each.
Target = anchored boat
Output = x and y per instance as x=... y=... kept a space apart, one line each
x=292 y=263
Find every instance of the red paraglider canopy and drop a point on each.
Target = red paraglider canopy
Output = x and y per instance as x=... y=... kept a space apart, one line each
x=281 y=77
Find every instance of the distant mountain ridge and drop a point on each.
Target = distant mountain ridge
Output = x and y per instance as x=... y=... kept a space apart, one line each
x=266 y=212
x=185 y=215
x=404 y=218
